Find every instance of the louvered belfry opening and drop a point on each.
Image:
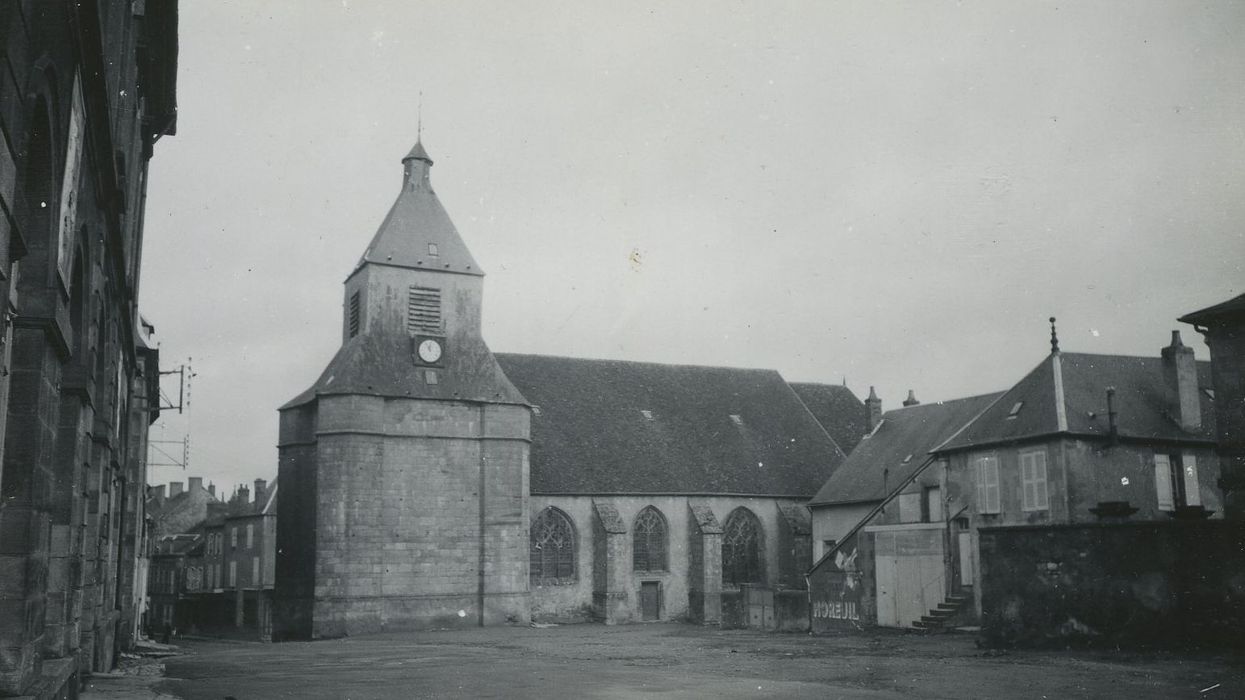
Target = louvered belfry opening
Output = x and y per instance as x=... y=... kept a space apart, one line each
x=423 y=310
x=353 y=314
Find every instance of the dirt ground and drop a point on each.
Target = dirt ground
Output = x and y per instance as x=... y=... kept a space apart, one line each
x=679 y=661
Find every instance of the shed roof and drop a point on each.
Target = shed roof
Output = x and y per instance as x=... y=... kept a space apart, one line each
x=898 y=447
x=614 y=427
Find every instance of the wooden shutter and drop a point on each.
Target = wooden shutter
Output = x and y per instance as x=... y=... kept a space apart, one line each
x=1192 y=492
x=1163 y=481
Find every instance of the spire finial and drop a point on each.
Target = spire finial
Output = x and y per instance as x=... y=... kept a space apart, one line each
x=1054 y=337
x=419 y=119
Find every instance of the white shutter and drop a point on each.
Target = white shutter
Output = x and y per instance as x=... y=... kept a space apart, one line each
x=980 y=480
x=1163 y=481
x=1192 y=489
x=1039 y=476
x=992 y=481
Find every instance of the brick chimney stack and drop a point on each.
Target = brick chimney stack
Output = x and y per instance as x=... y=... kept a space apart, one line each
x=911 y=400
x=261 y=491
x=212 y=490
x=175 y=489
x=1180 y=373
x=244 y=494
x=196 y=484
x=157 y=494
x=874 y=406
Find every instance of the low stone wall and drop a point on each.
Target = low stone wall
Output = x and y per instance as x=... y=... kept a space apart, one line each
x=1135 y=584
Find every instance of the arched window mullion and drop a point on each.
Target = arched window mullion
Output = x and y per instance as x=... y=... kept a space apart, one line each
x=649 y=541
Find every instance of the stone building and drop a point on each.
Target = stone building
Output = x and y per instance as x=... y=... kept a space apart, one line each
x=86 y=88
x=427 y=481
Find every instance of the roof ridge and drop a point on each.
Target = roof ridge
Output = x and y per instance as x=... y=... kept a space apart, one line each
x=650 y=363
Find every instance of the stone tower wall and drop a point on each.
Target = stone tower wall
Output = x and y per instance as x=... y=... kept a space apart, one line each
x=413 y=500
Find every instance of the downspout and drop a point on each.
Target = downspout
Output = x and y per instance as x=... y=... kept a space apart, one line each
x=480 y=563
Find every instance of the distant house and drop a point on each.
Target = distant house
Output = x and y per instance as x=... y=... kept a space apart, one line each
x=1080 y=439
x=218 y=575
x=890 y=455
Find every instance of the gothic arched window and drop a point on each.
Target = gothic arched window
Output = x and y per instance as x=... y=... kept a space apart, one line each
x=648 y=552
x=742 y=549
x=552 y=548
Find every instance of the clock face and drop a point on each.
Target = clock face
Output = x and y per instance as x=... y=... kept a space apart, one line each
x=429 y=351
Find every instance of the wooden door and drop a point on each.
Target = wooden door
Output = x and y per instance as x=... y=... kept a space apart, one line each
x=650 y=600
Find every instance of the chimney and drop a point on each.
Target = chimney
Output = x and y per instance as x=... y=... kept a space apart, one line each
x=157 y=494
x=261 y=491
x=244 y=494
x=1180 y=375
x=874 y=405
x=212 y=490
x=196 y=484
x=911 y=400
x=175 y=488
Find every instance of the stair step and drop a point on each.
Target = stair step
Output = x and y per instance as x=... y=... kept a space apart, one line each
x=931 y=621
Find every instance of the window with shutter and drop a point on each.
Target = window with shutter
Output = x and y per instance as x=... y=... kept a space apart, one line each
x=1033 y=479
x=986 y=471
x=1192 y=490
x=1163 y=482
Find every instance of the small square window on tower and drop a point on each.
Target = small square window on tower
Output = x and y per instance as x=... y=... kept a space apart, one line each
x=432 y=250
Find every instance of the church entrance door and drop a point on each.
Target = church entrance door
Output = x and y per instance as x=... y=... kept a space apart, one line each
x=650 y=600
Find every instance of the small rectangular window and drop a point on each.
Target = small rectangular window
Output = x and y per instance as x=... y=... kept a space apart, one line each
x=648 y=415
x=430 y=376
x=353 y=314
x=1015 y=409
x=233 y=574
x=432 y=250
x=737 y=419
x=423 y=310
x=1033 y=479
x=986 y=476
x=250 y=535
x=255 y=571
x=233 y=537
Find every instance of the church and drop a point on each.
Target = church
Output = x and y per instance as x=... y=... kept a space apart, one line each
x=429 y=482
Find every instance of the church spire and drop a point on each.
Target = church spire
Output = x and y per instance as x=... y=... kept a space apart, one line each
x=417 y=233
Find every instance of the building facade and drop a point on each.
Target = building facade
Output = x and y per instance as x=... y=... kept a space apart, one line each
x=85 y=91
x=1082 y=440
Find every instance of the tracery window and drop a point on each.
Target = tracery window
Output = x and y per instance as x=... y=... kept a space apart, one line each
x=552 y=548
x=742 y=549
x=648 y=552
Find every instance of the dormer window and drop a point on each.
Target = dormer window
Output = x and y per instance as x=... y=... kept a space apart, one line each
x=1015 y=410
x=737 y=419
x=432 y=250
x=648 y=415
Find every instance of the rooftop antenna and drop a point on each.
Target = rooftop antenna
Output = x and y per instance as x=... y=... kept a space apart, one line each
x=1054 y=337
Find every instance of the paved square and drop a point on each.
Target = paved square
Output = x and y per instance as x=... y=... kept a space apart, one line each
x=681 y=661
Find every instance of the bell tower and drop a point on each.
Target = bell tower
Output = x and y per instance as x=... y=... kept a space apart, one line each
x=408 y=458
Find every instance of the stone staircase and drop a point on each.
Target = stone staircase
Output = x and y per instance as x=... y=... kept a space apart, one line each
x=938 y=618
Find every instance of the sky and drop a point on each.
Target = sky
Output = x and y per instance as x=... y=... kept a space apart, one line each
x=889 y=194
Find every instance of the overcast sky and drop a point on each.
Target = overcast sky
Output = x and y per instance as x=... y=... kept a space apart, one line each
x=895 y=194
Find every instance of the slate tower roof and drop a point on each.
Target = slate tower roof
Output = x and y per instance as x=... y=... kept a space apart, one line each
x=417 y=233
